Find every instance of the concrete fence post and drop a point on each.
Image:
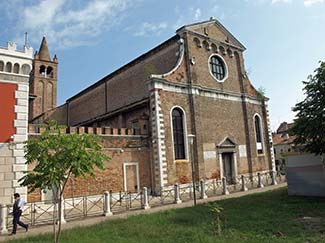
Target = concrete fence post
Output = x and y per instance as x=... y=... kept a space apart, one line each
x=214 y=183
x=224 y=186
x=3 y=217
x=107 y=204
x=243 y=184
x=203 y=195
x=260 y=183
x=273 y=176
x=145 y=204
x=177 y=194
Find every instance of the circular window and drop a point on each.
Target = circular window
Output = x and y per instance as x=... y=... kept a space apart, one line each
x=218 y=68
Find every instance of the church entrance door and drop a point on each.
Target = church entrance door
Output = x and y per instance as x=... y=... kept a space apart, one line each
x=227 y=160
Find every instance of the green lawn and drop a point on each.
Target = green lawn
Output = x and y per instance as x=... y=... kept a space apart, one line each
x=265 y=217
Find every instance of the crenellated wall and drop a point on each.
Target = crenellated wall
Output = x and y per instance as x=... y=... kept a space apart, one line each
x=124 y=146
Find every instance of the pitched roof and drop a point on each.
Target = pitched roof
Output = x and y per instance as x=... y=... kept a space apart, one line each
x=216 y=22
x=44 y=53
x=284 y=127
x=282 y=139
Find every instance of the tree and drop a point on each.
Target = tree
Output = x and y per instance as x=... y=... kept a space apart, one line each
x=58 y=156
x=309 y=124
x=261 y=93
x=216 y=210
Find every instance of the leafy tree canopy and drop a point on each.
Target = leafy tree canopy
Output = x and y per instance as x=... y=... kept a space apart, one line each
x=309 y=124
x=58 y=155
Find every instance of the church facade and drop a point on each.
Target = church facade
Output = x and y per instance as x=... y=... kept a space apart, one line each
x=188 y=99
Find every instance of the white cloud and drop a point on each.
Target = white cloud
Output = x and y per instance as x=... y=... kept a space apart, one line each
x=308 y=3
x=281 y=1
x=69 y=22
x=186 y=16
x=197 y=14
x=148 y=29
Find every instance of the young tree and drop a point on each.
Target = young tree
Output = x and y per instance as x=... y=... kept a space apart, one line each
x=57 y=156
x=216 y=210
x=309 y=124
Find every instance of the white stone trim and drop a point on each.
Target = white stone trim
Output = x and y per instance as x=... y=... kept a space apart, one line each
x=201 y=91
x=19 y=138
x=14 y=82
x=20 y=94
x=137 y=174
x=20 y=123
x=21 y=109
x=234 y=164
x=262 y=134
x=226 y=68
x=158 y=131
x=270 y=136
x=19 y=153
x=22 y=87
x=19 y=168
x=178 y=63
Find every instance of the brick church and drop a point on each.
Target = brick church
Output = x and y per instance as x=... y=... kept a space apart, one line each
x=147 y=111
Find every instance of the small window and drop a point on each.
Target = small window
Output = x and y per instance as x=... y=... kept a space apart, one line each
x=8 y=67
x=218 y=68
x=25 y=69
x=1 y=66
x=49 y=72
x=16 y=68
x=42 y=70
x=258 y=133
x=178 y=133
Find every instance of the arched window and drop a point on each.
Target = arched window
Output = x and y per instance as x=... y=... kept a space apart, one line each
x=197 y=42
x=218 y=68
x=16 y=68
x=214 y=48
x=8 y=67
x=49 y=72
x=42 y=70
x=178 y=133
x=258 y=134
x=25 y=69
x=1 y=66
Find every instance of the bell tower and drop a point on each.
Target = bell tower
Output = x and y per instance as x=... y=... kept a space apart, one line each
x=43 y=82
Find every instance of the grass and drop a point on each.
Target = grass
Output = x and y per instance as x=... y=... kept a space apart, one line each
x=264 y=217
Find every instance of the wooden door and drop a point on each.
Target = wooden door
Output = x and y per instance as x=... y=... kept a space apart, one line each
x=131 y=178
x=227 y=166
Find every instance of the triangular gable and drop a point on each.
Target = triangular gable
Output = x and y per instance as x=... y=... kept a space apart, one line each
x=226 y=143
x=214 y=29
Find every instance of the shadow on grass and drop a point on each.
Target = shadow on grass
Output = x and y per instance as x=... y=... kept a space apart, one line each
x=264 y=217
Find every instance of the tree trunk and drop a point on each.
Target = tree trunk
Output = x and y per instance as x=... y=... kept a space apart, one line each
x=218 y=225
x=54 y=201
x=59 y=212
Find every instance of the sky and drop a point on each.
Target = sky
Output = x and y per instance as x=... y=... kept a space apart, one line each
x=285 y=39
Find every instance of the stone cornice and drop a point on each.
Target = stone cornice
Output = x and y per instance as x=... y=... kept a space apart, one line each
x=197 y=90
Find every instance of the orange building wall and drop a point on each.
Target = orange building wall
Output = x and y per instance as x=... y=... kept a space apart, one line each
x=7 y=111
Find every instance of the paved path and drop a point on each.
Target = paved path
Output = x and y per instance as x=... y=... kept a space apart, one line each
x=37 y=230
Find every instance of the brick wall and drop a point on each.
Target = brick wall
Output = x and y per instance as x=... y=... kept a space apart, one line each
x=121 y=148
x=126 y=86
